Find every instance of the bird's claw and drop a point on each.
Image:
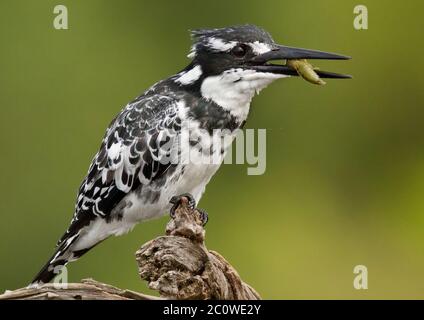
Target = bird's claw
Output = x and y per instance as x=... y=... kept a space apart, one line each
x=203 y=216
x=176 y=202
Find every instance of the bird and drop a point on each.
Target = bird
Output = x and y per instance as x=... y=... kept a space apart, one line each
x=144 y=166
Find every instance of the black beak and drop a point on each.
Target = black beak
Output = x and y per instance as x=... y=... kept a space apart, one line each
x=261 y=62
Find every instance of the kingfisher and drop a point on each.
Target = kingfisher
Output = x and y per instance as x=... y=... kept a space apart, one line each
x=144 y=167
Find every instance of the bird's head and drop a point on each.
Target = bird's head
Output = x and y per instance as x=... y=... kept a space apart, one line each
x=230 y=64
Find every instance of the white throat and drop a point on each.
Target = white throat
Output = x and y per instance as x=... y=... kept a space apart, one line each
x=234 y=89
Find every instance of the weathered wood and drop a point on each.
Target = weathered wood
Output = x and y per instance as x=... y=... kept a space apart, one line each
x=178 y=266
x=88 y=289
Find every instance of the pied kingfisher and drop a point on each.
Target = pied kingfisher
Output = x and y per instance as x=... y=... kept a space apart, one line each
x=128 y=181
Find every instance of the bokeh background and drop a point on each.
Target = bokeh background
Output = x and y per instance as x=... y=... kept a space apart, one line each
x=345 y=163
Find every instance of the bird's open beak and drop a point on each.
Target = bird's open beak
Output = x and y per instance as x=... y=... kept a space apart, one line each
x=262 y=62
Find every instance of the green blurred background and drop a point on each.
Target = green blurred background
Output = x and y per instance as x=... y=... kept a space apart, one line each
x=345 y=163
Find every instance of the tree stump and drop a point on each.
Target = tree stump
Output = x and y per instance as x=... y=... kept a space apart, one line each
x=177 y=265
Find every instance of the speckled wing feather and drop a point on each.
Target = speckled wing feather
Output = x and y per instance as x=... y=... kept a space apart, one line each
x=129 y=156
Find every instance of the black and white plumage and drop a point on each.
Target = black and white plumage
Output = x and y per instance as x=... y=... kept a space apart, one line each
x=142 y=162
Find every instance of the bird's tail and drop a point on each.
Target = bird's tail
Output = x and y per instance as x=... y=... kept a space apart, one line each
x=60 y=258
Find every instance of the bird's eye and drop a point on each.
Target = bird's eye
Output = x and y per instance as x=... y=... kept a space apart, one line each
x=239 y=51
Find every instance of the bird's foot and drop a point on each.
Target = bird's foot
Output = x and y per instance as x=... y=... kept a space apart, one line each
x=203 y=216
x=176 y=202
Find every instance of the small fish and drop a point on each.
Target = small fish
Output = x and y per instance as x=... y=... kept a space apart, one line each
x=305 y=70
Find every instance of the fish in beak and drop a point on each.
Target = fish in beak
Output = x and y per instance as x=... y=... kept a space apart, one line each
x=296 y=63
